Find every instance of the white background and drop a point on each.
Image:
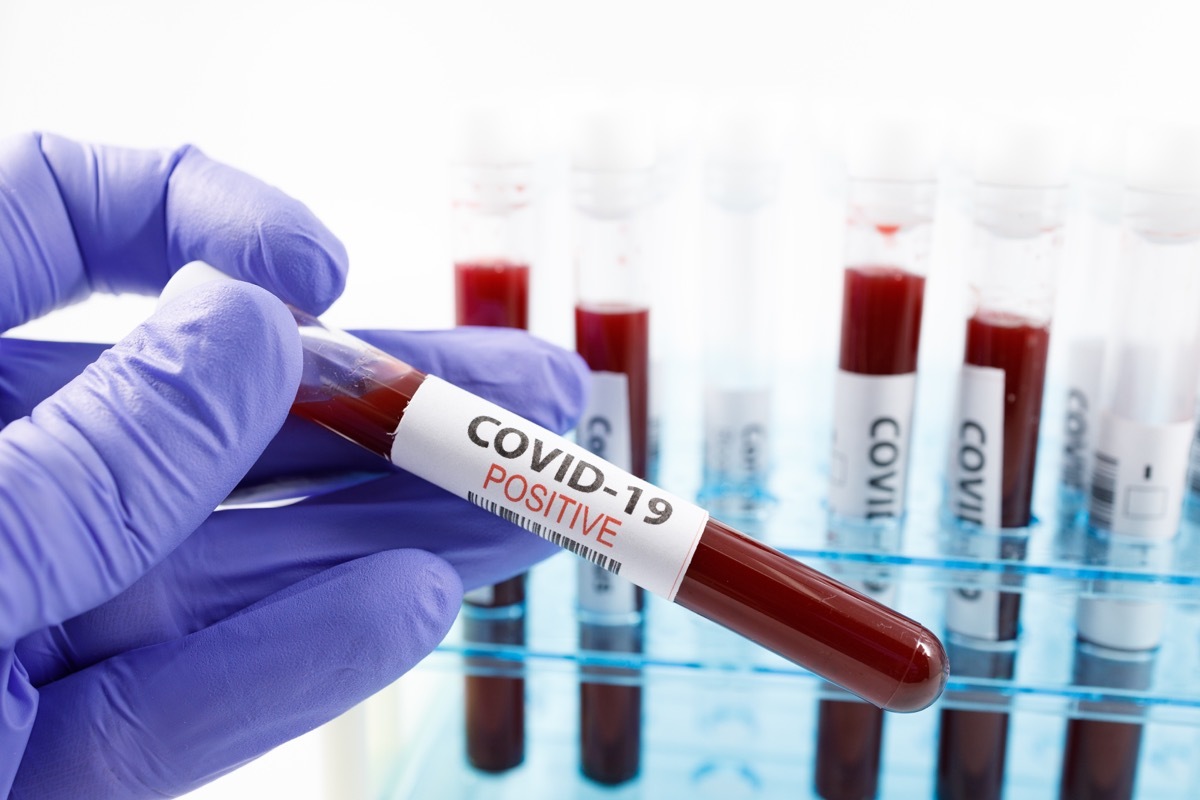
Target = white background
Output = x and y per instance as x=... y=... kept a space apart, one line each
x=345 y=105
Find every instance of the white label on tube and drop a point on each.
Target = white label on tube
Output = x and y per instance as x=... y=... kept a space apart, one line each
x=977 y=447
x=605 y=430
x=1085 y=359
x=973 y=611
x=872 y=432
x=1121 y=624
x=1138 y=477
x=736 y=425
x=548 y=485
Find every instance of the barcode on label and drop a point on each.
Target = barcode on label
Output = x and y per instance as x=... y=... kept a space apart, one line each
x=1104 y=491
x=554 y=537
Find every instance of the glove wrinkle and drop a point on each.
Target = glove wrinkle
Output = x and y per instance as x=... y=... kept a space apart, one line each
x=18 y=708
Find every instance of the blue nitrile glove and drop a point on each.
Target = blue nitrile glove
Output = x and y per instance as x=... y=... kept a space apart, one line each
x=140 y=661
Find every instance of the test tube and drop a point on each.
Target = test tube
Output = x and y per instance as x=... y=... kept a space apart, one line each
x=493 y=241
x=1086 y=304
x=612 y=164
x=1145 y=424
x=891 y=165
x=739 y=241
x=1100 y=758
x=1020 y=173
x=554 y=488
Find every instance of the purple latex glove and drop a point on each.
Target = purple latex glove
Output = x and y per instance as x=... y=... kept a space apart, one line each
x=147 y=646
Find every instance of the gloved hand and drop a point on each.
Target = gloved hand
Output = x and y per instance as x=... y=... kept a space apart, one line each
x=147 y=646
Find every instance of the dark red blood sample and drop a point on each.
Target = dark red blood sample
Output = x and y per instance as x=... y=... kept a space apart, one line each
x=1101 y=760
x=812 y=620
x=881 y=329
x=492 y=293
x=610 y=733
x=766 y=596
x=369 y=418
x=495 y=690
x=971 y=749
x=1014 y=345
x=615 y=338
x=495 y=293
x=849 y=737
x=973 y=744
x=881 y=320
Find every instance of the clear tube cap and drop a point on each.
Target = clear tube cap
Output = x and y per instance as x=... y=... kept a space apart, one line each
x=1164 y=158
x=744 y=150
x=493 y=136
x=1023 y=153
x=891 y=147
x=613 y=155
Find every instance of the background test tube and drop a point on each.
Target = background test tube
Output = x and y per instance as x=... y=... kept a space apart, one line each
x=1020 y=171
x=493 y=242
x=741 y=258
x=1085 y=305
x=1145 y=431
x=891 y=166
x=613 y=162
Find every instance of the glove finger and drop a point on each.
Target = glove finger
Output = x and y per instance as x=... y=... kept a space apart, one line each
x=165 y=719
x=240 y=556
x=18 y=708
x=110 y=473
x=81 y=217
x=543 y=383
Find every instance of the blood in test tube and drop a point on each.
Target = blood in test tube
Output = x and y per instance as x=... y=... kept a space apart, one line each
x=1100 y=758
x=494 y=293
x=1018 y=347
x=973 y=743
x=881 y=320
x=881 y=326
x=494 y=701
x=614 y=338
x=742 y=584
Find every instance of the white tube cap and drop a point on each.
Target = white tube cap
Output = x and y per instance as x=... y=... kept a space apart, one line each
x=891 y=148
x=1025 y=153
x=744 y=151
x=190 y=277
x=493 y=136
x=1164 y=158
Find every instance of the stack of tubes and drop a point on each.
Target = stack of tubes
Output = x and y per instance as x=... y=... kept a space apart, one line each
x=1129 y=424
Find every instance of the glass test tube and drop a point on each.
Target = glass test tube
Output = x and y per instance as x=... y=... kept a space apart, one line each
x=1019 y=210
x=613 y=186
x=493 y=241
x=1086 y=306
x=1145 y=426
x=889 y=222
x=551 y=487
x=741 y=257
